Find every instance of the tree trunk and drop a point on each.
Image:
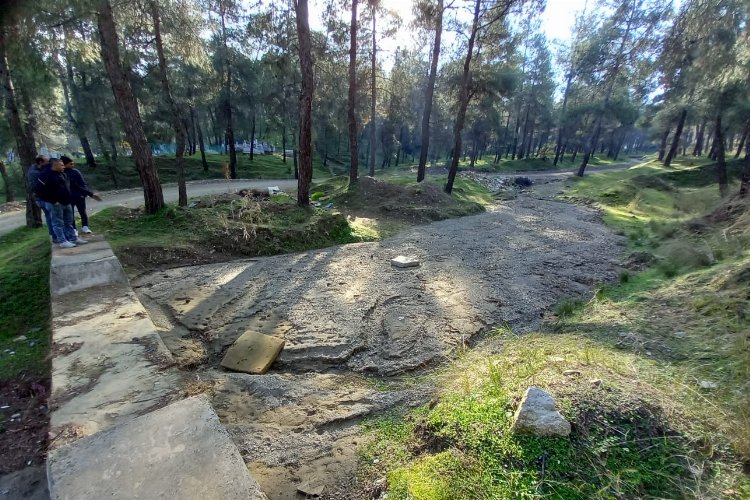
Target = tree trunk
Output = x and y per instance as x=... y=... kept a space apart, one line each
x=698 y=150
x=252 y=138
x=429 y=93
x=73 y=100
x=743 y=140
x=373 y=97
x=352 y=97
x=179 y=131
x=676 y=139
x=201 y=144
x=107 y=158
x=463 y=101
x=721 y=164
x=663 y=144
x=562 y=117
x=745 y=180
x=192 y=133
x=24 y=141
x=127 y=107
x=228 y=97
x=6 y=181
x=594 y=141
x=304 y=177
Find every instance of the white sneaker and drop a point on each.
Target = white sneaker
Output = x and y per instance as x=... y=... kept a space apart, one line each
x=79 y=241
x=67 y=244
x=86 y=230
x=76 y=232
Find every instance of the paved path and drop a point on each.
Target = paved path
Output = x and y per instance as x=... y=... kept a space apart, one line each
x=134 y=197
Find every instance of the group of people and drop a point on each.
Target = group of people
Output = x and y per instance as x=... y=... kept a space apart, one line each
x=59 y=188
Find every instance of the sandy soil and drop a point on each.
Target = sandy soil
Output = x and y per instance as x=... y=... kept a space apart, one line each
x=354 y=325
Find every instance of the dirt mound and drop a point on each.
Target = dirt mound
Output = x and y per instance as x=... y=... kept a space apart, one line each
x=414 y=203
x=733 y=210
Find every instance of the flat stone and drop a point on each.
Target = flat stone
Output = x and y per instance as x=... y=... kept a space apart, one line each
x=536 y=415
x=708 y=384
x=180 y=451
x=595 y=382
x=571 y=373
x=403 y=262
x=253 y=353
x=311 y=489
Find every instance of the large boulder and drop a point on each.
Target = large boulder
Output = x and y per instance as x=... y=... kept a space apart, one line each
x=536 y=415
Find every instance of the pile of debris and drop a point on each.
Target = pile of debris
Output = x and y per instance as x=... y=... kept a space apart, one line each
x=493 y=182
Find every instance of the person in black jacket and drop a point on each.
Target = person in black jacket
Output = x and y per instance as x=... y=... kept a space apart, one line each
x=79 y=190
x=32 y=175
x=54 y=188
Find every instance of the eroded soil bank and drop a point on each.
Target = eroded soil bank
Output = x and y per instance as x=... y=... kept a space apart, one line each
x=354 y=326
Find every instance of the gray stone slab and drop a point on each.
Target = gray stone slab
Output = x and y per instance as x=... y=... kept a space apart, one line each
x=403 y=262
x=85 y=266
x=178 y=452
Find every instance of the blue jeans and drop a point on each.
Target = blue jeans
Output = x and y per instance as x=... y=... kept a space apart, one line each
x=43 y=206
x=62 y=222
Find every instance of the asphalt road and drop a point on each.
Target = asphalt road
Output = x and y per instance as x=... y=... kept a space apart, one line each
x=134 y=197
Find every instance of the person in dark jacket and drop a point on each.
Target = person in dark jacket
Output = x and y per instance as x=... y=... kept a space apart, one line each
x=54 y=188
x=79 y=190
x=35 y=170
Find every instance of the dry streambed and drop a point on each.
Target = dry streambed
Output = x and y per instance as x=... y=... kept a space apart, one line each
x=350 y=319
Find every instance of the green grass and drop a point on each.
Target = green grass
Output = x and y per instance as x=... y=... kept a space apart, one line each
x=220 y=226
x=24 y=303
x=646 y=428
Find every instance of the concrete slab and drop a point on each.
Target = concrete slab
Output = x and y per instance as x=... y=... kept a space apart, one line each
x=253 y=353
x=180 y=451
x=85 y=266
x=108 y=363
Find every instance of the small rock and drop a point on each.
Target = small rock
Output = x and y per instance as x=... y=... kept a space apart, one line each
x=708 y=384
x=596 y=382
x=556 y=359
x=20 y=338
x=15 y=416
x=403 y=262
x=537 y=415
x=376 y=461
x=680 y=335
x=193 y=205
x=571 y=373
x=311 y=489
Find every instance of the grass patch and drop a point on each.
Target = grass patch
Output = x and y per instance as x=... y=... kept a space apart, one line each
x=24 y=304
x=630 y=440
x=220 y=227
x=652 y=372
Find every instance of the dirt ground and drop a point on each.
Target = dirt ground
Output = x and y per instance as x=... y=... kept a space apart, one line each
x=361 y=335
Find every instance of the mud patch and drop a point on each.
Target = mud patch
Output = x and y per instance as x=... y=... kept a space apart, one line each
x=346 y=315
x=23 y=424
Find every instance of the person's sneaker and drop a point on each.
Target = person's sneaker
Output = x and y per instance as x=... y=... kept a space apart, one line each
x=75 y=231
x=86 y=230
x=79 y=241
x=67 y=244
